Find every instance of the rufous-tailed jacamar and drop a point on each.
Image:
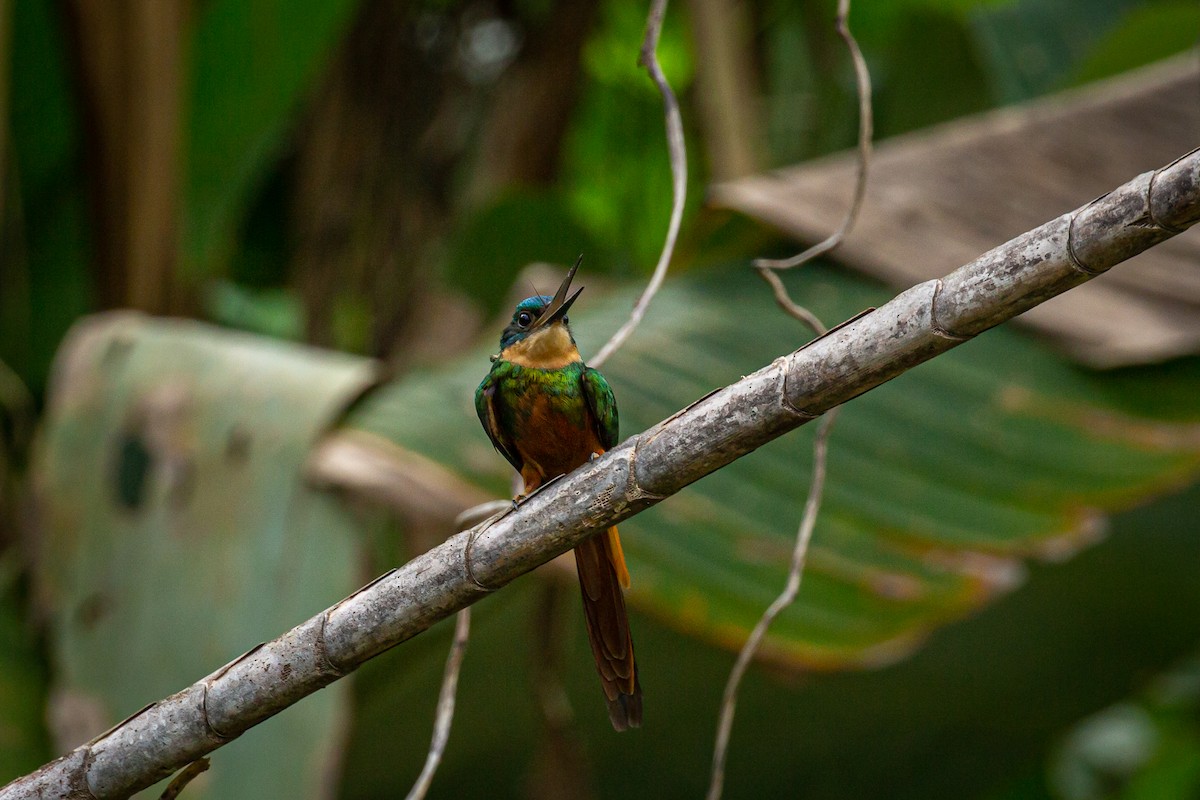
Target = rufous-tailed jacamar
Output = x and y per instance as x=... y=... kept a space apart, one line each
x=548 y=413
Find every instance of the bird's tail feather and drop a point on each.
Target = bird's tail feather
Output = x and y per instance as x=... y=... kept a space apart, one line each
x=602 y=573
x=617 y=556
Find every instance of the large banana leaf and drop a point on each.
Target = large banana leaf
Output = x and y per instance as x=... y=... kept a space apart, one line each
x=940 y=483
x=178 y=531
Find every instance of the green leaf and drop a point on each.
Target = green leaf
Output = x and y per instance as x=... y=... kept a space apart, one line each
x=928 y=42
x=397 y=694
x=271 y=312
x=1030 y=47
x=615 y=155
x=45 y=123
x=612 y=52
x=252 y=64
x=179 y=532
x=940 y=483
x=520 y=228
x=1146 y=746
x=23 y=741
x=1145 y=34
x=44 y=282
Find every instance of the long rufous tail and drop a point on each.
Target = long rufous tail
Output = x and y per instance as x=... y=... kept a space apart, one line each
x=602 y=573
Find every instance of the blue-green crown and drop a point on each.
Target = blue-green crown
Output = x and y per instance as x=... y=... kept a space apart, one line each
x=533 y=306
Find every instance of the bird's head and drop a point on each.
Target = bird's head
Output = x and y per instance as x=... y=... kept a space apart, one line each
x=539 y=334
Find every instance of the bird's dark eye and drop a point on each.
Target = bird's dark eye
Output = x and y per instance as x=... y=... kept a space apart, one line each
x=524 y=318
x=566 y=320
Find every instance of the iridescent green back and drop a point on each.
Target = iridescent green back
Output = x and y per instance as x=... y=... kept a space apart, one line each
x=575 y=394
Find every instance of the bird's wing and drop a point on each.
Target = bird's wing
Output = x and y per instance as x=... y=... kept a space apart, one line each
x=603 y=406
x=488 y=406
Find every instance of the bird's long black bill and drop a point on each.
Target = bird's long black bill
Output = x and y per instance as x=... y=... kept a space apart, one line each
x=560 y=312
x=561 y=303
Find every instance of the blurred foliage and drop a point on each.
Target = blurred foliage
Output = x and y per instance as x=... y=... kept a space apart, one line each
x=23 y=742
x=23 y=675
x=1145 y=33
x=614 y=213
x=252 y=63
x=1143 y=748
x=271 y=312
x=619 y=125
x=516 y=230
x=45 y=272
x=1030 y=47
x=941 y=483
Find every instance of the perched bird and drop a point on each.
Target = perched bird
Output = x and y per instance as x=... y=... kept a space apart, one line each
x=548 y=413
